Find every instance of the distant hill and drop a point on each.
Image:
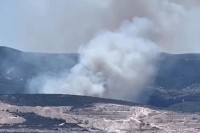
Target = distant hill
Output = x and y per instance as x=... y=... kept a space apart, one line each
x=177 y=71
x=177 y=79
x=17 y=67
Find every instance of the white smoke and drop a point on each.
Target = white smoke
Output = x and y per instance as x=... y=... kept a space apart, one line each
x=113 y=64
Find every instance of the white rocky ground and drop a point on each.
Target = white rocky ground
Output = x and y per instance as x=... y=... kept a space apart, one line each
x=102 y=118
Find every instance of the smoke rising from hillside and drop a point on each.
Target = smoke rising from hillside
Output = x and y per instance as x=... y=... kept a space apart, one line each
x=118 y=40
x=113 y=64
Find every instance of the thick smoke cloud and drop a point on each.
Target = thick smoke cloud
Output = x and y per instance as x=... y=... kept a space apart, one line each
x=113 y=65
x=176 y=20
x=118 y=40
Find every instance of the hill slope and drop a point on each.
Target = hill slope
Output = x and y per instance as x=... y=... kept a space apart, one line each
x=17 y=67
x=177 y=80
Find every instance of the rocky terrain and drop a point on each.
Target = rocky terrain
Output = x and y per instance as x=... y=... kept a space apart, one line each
x=66 y=113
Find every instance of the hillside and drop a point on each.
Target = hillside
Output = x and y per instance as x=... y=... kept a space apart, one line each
x=17 y=67
x=177 y=80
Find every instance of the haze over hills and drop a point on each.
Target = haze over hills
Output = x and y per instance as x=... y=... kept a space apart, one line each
x=177 y=81
x=177 y=78
x=178 y=71
x=18 y=67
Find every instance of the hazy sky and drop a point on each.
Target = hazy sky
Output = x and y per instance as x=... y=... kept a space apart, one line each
x=118 y=40
x=65 y=25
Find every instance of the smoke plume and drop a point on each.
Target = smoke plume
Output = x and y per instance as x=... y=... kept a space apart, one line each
x=113 y=64
x=118 y=40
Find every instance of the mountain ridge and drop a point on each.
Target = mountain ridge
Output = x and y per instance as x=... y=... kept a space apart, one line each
x=175 y=73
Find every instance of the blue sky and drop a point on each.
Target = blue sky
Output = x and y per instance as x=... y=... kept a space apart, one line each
x=9 y=31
